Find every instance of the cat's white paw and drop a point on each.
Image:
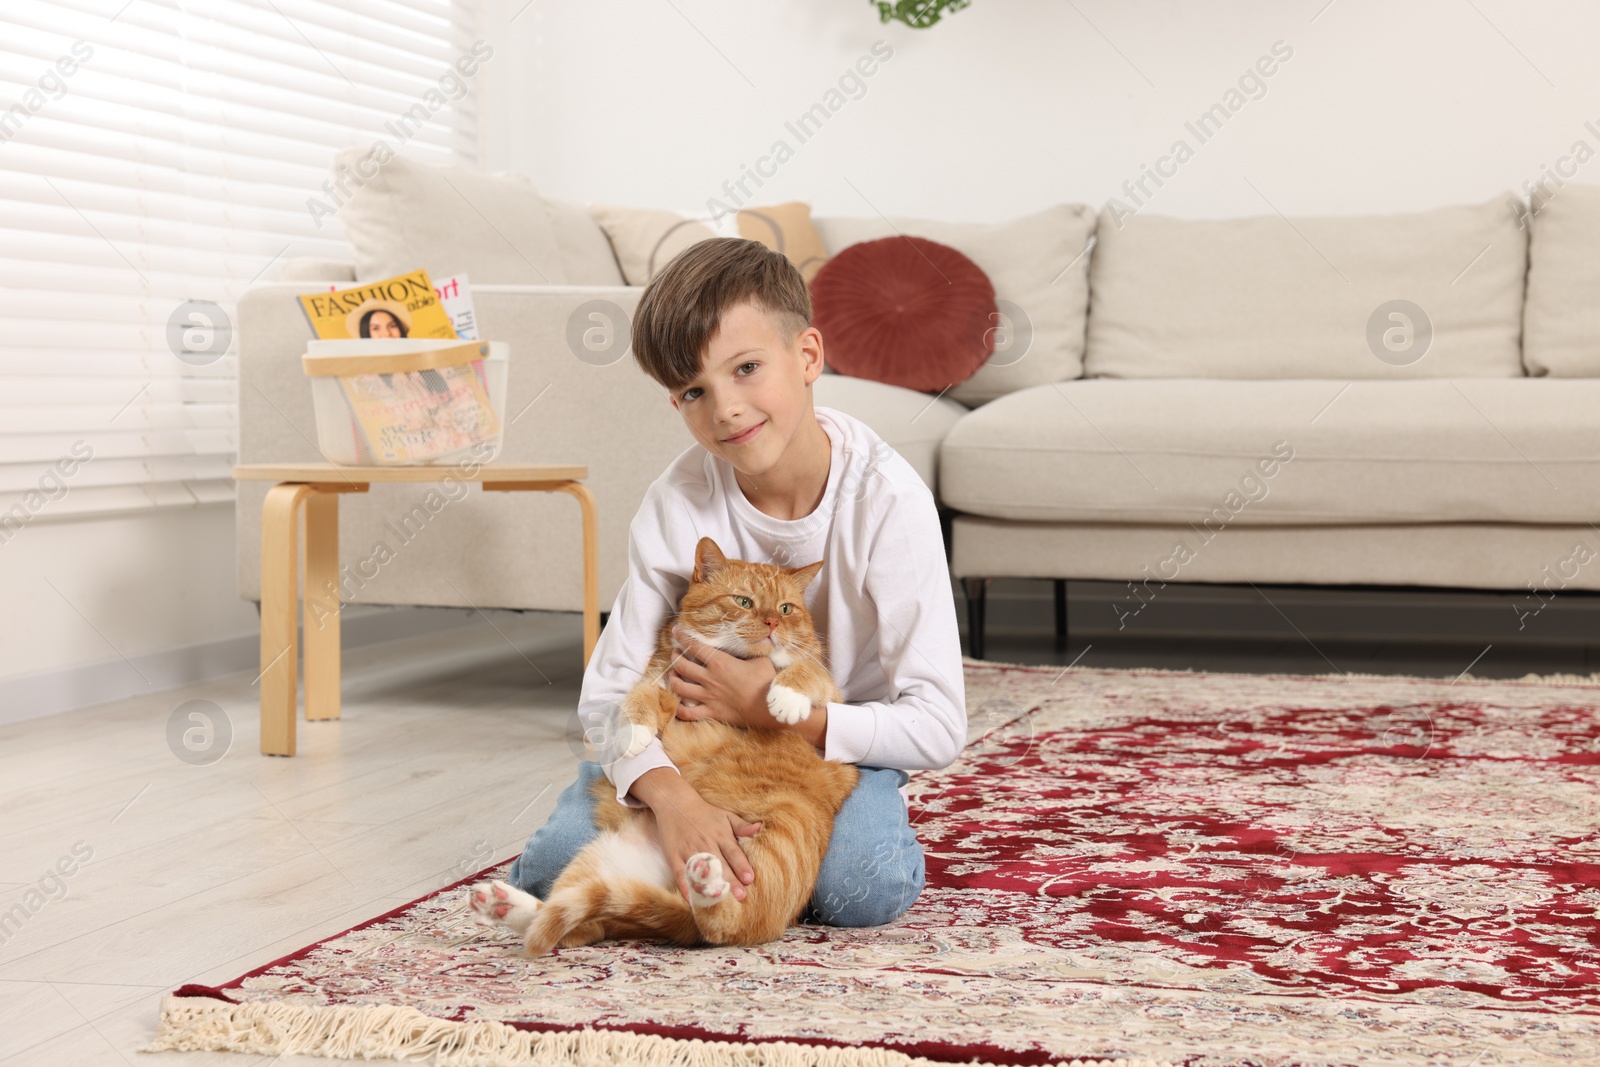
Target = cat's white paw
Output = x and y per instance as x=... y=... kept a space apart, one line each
x=636 y=739
x=500 y=903
x=706 y=885
x=787 y=705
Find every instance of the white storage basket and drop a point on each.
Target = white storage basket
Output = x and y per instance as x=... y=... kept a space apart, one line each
x=422 y=409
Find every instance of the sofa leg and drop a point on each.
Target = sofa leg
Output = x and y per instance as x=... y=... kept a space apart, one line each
x=976 y=589
x=1061 y=609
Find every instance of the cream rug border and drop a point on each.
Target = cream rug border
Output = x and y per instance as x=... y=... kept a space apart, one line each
x=1575 y=680
x=190 y=1024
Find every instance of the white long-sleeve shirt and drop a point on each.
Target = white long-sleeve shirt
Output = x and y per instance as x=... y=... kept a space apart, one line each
x=882 y=600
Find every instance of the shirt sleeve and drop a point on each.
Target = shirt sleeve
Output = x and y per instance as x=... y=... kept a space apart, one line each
x=657 y=579
x=921 y=724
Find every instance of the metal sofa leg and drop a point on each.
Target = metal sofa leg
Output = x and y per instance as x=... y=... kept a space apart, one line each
x=1061 y=609
x=976 y=590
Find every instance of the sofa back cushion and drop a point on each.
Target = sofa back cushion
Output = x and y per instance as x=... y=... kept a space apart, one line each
x=1561 y=322
x=1330 y=297
x=447 y=220
x=586 y=255
x=786 y=228
x=1038 y=268
x=646 y=239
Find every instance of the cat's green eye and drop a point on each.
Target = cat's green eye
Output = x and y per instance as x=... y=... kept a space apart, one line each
x=785 y=608
x=743 y=601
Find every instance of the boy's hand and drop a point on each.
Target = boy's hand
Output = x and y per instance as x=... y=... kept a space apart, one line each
x=689 y=824
x=721 y=686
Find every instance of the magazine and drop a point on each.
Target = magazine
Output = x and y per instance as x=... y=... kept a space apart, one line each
x=456 y=296
x=403 y=306
x=414 y=415
x=423 y=415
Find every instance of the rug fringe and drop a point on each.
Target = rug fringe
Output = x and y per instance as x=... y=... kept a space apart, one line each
x=349 y=1032
x=1527 y=679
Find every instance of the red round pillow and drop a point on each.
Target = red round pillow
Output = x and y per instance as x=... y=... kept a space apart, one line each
x=904 y=310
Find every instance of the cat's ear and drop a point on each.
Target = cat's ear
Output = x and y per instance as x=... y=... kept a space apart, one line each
x=708 y=559
x=803 y=575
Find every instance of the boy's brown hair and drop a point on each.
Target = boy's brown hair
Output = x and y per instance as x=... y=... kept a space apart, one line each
x=682 y=306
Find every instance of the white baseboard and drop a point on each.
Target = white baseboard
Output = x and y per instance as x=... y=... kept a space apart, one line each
x=29 y=696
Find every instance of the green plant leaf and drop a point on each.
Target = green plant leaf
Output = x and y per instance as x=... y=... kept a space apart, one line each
x=918 y=14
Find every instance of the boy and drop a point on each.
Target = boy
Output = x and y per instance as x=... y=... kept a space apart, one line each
x=726 y=329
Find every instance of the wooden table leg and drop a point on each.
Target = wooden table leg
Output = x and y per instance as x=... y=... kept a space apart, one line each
x=279 y=564
x=591 y=548
x=321 y=611
x=591 y=567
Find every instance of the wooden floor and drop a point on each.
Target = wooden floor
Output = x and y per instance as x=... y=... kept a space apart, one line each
x=451 y=751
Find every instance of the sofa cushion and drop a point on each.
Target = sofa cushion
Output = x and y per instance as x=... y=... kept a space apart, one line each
x=786 y=228
x=904 y=310
x=1037 y=265
x=646 y=239
x=1280 y=452
x=447 y=220
x=912 y=423
x=1561 y=321
x=315 y=269
x=586 y=255
x=1270 y=297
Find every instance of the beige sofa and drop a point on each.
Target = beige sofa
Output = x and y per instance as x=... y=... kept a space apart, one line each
x=1245 y=418
x=1235 y=402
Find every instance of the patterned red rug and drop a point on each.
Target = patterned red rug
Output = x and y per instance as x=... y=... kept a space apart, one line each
x=1201 y=869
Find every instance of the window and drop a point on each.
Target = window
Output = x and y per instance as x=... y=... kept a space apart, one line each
x=157 y=157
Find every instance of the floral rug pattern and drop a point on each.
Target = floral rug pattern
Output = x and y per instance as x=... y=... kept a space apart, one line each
x=1211 y=869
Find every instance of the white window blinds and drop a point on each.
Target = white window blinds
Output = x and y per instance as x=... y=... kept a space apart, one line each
x=157 y=157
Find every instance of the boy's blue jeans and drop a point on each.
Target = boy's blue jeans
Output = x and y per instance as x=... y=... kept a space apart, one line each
x=872 y=872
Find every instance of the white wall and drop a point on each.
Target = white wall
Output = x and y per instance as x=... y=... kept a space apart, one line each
x=89 y=592
x=1011 y=105
x=98 y=609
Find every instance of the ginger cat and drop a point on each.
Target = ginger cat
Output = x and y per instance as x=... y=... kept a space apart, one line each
x=619 y=885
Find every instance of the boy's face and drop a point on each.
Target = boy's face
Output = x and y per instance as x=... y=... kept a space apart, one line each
x=749 y=378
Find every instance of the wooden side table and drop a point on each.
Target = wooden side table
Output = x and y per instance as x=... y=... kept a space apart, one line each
x=317 y=486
